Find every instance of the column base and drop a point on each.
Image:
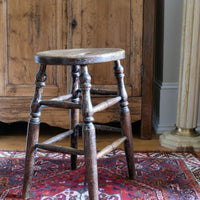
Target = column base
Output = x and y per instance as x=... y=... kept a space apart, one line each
x=180 y=141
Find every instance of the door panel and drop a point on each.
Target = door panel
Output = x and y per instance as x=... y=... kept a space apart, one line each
x=113 y=24
x=27 y=27
x=101 y=27
x=31 y=26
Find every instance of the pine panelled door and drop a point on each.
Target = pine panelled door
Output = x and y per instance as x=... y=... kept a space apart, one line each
x=31 y=26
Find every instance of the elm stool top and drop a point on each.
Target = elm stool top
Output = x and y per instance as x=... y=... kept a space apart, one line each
x=79 y=56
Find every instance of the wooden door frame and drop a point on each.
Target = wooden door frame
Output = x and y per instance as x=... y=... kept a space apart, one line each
x=148 y=55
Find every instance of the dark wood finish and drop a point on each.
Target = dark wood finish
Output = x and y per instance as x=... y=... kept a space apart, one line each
x=61 y=149
x=74 y=113
x=57 y=104
x=148 y=66
x=80 y=76
x=107 y=128
x=89 y=135
x=125 y=119
x=104 y=128
x=102 y=92
x=32 y=139
x=33 y=130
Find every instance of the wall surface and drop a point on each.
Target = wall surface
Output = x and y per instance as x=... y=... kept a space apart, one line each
x=172 y=39
x=167 y=64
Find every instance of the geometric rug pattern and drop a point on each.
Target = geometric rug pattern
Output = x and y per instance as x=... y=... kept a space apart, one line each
x=159 y=176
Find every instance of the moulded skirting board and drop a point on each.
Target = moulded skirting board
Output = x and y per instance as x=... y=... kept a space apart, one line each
x=161 y=128
x=165 y=106
x=166 y=85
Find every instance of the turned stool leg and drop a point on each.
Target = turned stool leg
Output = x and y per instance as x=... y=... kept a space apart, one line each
x=89 y=135
x=33 y=131
x=74 y=113
x=125 y=119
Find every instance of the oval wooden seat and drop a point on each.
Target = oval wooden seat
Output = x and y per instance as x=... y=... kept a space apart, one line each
x=79 y=56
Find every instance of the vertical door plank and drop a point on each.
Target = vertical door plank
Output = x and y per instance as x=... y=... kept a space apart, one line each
x=3 y=46
x=33 y=26
x=29 y=30
x=61 y=39
x=102 y=27
x=148 y=63
x=116 y=24
x=74 y=28
x=136 y=46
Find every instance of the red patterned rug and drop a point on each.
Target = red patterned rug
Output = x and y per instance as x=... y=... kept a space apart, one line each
x=160 y=176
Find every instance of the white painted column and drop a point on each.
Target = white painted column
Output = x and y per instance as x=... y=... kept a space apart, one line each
x=185 y=137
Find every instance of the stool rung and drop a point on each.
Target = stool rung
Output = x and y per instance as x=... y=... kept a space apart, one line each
x=62 y=98
x=106 y=104
x=104 y=128
x=61 y=149
x=111 y=147
x=102 y=91
x=107 y=128
x=58 y=137
x=60 y=104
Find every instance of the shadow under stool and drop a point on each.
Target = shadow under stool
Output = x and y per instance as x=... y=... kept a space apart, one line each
x=78 y=60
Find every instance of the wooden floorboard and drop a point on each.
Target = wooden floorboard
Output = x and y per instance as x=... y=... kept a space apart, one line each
x=14 y=138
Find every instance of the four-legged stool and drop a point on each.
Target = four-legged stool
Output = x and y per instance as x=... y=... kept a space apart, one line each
x=78 y=59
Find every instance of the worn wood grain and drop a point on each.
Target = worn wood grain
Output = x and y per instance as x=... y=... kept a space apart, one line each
x=33 y=130
x=136 y=29
x=101 y=27
x=79 y=56
x=102 y=91
x=148 y=63
x=106 y=104
x=32 y=139
x=125 y=119
x=72 y=24
x=58 y=104
x=3 y=47
x=38 y=19
x=62 y=98
x=74 y=113
x=23 y=27
x=107 y=128
x=10 y=111
x=58 y=137
x=61 y=149
x=88 y=131
x=111 y=147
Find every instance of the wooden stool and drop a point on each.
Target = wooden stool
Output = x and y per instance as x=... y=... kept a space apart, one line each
x=78 y=59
